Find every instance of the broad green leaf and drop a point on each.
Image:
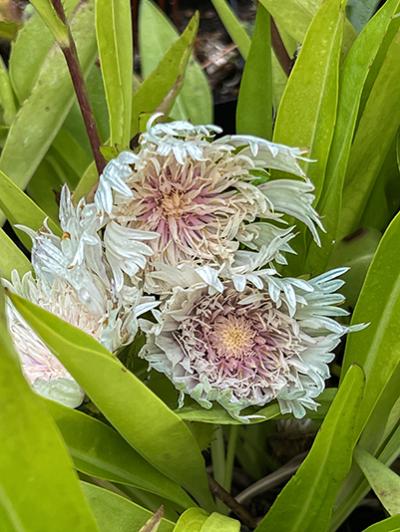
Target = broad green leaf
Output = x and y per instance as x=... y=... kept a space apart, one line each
x=192 y=519
x=220 y=523
x=307 y=112
x=118 y=514
x=20 y=209
x=38 y=487
x=353 y=76
x=156 y=34
x=165 y=81
x=233 y=26
x=380 y=120
x=306 y=502
x=295 y=16
x=11 y=257
x=148 y=424
x=114 y=40
x=377 y=348
x=42 y=114
x=392 y=524
x=361 y=11
x=29 y=52
x=254 y=108
x=7 y=102
x=58 y=29
x=99 y=451
x=384 y=481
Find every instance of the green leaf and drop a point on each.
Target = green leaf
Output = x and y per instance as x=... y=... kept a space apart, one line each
x=156 y=34
x=384 y=481
x=220 y=523
x=38 y=487
x=117 y=514
x=306 y=502
x=254 y=108
x=360 y=12
x=7 y=102
x=162 y=84
x=355 y=253
x=307 y=112
x=353 y=77
x=377 y=348
x=233 y=26
x=45 y=186
x=380 y=120
x=219 y=416
x=20 y=209
x=49 y=15
x=99 y=451
x=295 y=16
x=392 y=524
x=192 y=519
x=167 y=77
x=29 y=52
x=11 y=257
x=42 y=114
x=114 y=40
x=9 y=29
x=148 y=424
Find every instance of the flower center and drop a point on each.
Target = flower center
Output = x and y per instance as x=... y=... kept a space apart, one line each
x=173 y=205
x=233 y=337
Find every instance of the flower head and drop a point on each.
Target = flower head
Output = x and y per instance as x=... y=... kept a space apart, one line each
x=249 y=347
x=73 y=280
x=202 y=196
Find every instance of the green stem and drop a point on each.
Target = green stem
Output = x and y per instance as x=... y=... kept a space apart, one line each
x=230 y=456
x=218 y=461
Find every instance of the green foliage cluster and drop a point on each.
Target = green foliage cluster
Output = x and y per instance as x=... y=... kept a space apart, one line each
x=64 y=470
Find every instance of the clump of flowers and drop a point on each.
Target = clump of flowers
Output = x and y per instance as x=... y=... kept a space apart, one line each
x=73 y=280
x=247 y=347
x=202 y=196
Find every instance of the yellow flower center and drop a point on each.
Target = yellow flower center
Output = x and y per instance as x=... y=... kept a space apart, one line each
x=236 y=336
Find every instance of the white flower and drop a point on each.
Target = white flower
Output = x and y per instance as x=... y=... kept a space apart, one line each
x=251 y=346
x=203 y=197
x=73 y=280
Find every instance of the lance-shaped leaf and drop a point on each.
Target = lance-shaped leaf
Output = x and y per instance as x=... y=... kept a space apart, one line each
x=133 y=409
x=354 y=73
x=163 y=84
x=156 y=34
x=38 y=487
x=114 y=39
x=99 y=451
x=254 y=109
x=29 y=52
x=384 y=481
x=392 y=524
x=306 y=502
x=21 y=209
x=7 y=101
x=42 y=114
x=118 y=514
x=49 y=15
x=232 y=25
x=307 y=112
x=380 y=120
x=11 y=257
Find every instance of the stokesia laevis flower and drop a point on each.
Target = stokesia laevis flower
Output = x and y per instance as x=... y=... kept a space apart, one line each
x=202 y=196
x=74 y=281
x=249 y=347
